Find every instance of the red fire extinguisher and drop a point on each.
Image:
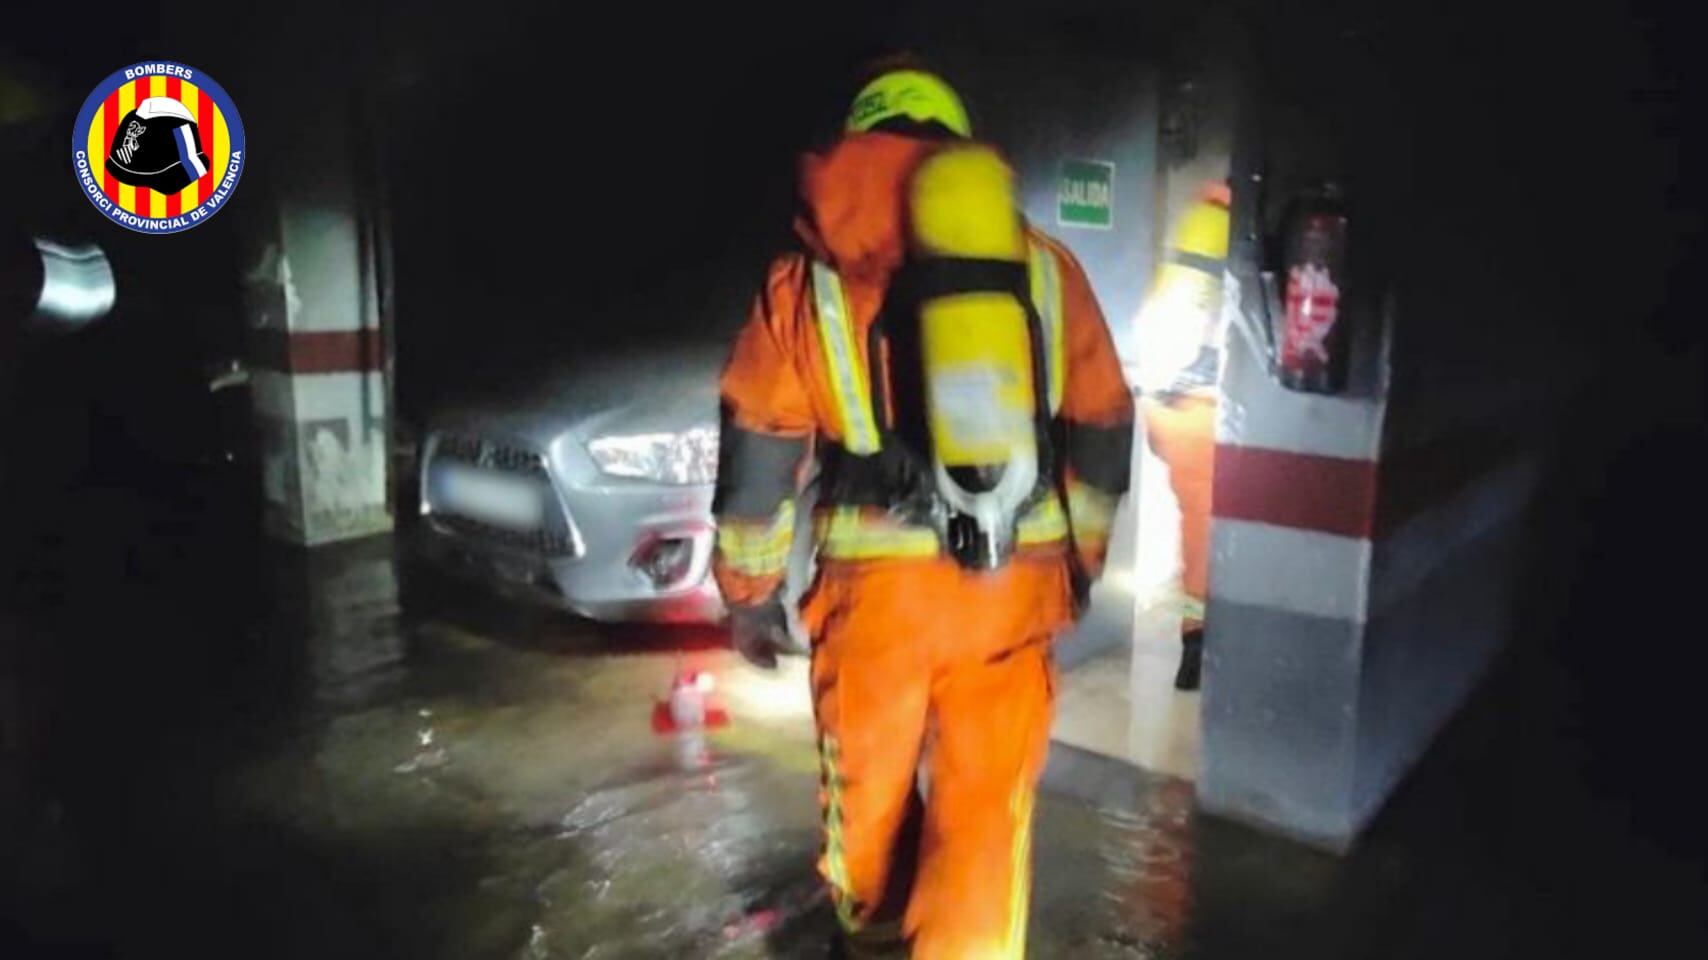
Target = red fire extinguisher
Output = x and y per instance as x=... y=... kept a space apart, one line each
x=1313 y=337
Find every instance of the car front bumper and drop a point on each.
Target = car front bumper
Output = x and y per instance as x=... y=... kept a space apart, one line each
x=596 y=551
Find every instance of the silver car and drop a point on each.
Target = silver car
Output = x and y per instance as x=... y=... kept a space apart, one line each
x=592 y=491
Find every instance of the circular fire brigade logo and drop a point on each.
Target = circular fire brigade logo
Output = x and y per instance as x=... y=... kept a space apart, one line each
x=158 y=147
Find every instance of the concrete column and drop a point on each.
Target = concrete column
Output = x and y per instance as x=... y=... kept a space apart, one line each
x=315 y=341
x=333 y=619
x=1294 y=515
x=1367 y=547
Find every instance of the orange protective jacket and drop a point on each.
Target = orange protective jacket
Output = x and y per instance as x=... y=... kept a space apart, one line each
x=780 y=400
x=916 y=661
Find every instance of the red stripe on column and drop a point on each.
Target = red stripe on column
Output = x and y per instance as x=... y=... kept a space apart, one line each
x=318 y=351
x=1300 y=490
x=175 y=201
x=110 y=120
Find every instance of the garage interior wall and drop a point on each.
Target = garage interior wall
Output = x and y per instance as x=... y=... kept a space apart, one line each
x=1368 y=564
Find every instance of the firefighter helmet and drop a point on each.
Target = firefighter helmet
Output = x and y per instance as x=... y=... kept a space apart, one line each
x=911 y=94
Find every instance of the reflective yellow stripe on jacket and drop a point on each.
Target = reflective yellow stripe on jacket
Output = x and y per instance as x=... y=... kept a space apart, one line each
x=1093 y=511
x=1046 y=283
x=758 y=549
x=853 y=533
x=846 y=362
x=859 y=533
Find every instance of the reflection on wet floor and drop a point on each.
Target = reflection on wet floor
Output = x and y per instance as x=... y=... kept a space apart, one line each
x=576 y=831
x=560 y=825
x=1131 y=866
x=458 y=777
x=1123 y=704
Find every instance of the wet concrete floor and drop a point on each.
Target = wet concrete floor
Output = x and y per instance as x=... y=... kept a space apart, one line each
x=351 y=770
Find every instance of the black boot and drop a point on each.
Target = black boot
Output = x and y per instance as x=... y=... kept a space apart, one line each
x=1191 y=659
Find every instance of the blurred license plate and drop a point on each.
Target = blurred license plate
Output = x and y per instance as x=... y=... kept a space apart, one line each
x=493 y=498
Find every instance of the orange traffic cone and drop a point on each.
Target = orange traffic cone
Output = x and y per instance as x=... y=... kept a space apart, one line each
x=690 y=705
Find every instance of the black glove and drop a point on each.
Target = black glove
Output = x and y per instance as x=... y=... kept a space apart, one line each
x=759 y=633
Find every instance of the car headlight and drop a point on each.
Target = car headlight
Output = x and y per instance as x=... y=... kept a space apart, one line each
x=687 y=457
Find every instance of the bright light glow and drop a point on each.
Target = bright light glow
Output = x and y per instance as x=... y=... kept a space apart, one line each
x=77 y=284
x=781 y=694
x=705 y=682
x=1171 y=330
x=689 y=457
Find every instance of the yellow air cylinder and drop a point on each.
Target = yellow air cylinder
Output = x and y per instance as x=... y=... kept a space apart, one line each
x=1186 y=296
x=976 y=347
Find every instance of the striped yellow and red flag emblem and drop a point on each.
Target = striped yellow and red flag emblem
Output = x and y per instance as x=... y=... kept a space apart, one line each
x=210 y=123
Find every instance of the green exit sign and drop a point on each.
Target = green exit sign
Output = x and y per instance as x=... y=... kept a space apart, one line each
x=1086 y=194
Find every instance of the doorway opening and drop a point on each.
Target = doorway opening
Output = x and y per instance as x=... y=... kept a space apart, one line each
x=1131 y=674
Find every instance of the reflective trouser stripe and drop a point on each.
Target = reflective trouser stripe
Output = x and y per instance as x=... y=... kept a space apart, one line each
x=758 y=549
x=843 y=356
x=1047 y=299
x=851 y=533
x=1020 y=874
x=835 y=858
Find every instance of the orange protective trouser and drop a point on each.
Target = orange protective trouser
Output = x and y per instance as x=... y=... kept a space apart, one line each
x=1183 y=433
x=921 y=663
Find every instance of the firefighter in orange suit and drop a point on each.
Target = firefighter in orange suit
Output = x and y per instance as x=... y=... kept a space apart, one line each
x=920 y=657
x=1183 y=323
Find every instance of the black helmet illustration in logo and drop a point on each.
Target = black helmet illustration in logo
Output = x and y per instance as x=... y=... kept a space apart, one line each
x=158 y=146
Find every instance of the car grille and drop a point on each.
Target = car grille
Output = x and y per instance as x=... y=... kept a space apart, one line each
x=494 y=455
x=554 y=538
